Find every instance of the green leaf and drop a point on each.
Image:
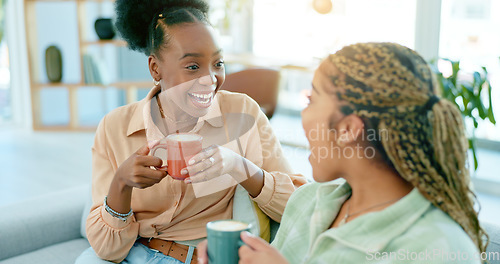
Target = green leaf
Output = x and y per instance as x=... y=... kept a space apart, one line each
x=472 y=147
x=455 y=66
x=481 y=109
x=491 y=117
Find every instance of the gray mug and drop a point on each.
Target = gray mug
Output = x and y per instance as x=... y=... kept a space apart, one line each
x=224 y=241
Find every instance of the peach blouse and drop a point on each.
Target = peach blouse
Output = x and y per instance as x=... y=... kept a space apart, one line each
x=169 y=210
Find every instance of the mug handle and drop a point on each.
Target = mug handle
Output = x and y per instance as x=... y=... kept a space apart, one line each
x=159 y=146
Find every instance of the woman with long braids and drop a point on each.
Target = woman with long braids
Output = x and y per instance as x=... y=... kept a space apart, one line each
x=139 y=213
x=402 y=152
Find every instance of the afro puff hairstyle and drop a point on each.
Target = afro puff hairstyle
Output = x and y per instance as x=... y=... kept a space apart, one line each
x=142 y=22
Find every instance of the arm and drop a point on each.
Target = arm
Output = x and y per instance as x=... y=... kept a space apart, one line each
x=279 y=182
x=110 y=237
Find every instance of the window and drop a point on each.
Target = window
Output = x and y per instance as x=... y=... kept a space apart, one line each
x=5 y=95
x=291 y=30
x=469 y=33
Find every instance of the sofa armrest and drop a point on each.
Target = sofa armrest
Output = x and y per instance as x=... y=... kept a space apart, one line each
x=41 y=221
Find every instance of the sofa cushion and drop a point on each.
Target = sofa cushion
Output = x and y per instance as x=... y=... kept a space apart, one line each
x=42 y=221
x=62 y=253
x=85 y=213
x=493 y=249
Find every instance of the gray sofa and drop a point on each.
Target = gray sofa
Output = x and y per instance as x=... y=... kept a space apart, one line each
x=49 y=229
x=44 y=229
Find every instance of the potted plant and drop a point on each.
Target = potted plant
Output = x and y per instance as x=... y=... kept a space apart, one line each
x=471 y=93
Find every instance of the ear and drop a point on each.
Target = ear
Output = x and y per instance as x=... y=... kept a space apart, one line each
x=154 y=67
x=350 y=128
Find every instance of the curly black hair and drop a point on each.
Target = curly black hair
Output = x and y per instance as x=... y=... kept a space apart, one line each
x=142 y=23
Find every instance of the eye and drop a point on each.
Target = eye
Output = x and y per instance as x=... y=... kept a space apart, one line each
x=219 y=64
x=193 y=67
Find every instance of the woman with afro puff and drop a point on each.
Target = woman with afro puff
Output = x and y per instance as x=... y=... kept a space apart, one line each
x=139 y=213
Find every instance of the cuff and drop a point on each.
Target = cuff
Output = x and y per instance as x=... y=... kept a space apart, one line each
x=114 y=222
x=267 y=192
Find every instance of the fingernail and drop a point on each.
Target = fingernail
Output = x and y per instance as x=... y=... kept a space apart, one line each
x=184 y=171
x=191 y=162
x=187 y=180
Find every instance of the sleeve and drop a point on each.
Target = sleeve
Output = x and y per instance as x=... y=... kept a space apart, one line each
x=111 y=238
x=279 y=181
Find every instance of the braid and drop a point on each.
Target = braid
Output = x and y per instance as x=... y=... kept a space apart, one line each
x=392 y=88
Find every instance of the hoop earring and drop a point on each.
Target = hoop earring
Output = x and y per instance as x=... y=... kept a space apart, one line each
x=156 y=82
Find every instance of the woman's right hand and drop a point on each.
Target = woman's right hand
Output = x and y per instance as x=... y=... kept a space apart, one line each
x=137 y=172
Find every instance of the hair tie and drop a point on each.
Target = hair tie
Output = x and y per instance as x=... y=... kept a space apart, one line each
x=430 y=103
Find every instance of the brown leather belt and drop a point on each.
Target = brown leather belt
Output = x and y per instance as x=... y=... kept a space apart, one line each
x=169 y=248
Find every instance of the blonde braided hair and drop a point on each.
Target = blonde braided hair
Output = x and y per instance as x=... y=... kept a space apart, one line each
x=393 y=90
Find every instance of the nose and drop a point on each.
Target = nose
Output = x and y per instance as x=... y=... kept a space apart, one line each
x=208 y=79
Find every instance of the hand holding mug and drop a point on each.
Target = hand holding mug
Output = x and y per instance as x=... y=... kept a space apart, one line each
x=257 y=251
x=177 y=149
x=221 y=247
x=136 y=171
x=215 y=161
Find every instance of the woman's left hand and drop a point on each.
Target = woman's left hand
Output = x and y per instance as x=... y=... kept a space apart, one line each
x=258 y=251
x=255 y=251
x=215 y=161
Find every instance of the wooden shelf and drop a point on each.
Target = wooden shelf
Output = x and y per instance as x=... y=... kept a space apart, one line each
x=121 y=85
x=70 y=1
x=59 y=128
x=115 y=42
x=50 y=1
x=71 y=89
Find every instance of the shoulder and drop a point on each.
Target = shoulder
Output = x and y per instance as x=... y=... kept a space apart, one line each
x=307 y=190
x=237 y=103
x=119 y=117
x=437 y=233
x=302 y=198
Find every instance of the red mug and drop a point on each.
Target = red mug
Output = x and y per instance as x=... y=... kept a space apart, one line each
x=180 y=148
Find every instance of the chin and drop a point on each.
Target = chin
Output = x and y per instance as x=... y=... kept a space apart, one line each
x=322 y=176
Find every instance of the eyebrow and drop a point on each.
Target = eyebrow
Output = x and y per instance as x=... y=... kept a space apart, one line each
x=197 y=55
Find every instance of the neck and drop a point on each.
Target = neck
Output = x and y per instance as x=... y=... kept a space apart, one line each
x=175 y=119
x=374 y=184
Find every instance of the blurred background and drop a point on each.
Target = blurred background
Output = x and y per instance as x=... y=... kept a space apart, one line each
x=62 y=69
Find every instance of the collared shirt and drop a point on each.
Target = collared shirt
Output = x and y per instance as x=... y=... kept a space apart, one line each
x=411 y=230
x=169 y=210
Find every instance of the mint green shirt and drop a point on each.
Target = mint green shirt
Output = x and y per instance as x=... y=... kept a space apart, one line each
x=411 y=230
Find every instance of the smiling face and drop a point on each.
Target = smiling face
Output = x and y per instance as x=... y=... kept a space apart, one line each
x=190 y=67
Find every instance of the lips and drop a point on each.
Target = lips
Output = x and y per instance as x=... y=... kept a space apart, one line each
x=201 y=99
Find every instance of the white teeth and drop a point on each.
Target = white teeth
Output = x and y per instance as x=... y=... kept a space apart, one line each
x=202 y=98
